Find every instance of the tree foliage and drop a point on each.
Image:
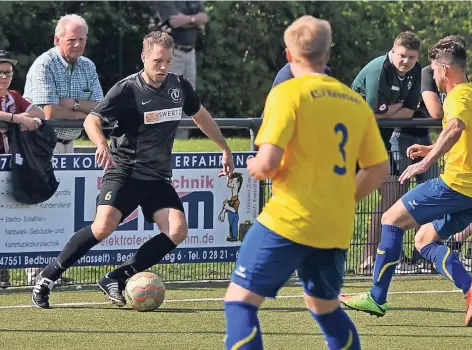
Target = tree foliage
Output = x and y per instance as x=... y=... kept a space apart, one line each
x=243 y=44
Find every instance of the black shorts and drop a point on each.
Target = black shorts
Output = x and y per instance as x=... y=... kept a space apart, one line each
x=127 y=194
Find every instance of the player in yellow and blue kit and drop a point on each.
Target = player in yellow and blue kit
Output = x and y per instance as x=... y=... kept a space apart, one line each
x=314 y=132
x=443 y=205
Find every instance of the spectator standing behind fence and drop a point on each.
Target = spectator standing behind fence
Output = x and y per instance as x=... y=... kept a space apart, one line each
x=391 y=86
x=14 y=109
x=64 y=83
x=183 y=20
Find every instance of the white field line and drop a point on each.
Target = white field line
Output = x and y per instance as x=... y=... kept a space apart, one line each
x=197 y=300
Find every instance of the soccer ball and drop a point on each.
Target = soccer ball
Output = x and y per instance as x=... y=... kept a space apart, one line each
x=145 y=291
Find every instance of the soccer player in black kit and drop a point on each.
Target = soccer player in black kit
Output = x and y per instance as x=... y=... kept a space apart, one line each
x=146 y=107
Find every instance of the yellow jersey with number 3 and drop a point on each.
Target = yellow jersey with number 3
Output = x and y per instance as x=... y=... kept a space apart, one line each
x=324 y=128
x=458 y=162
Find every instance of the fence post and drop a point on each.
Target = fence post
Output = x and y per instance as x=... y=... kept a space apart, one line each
x=252 y=133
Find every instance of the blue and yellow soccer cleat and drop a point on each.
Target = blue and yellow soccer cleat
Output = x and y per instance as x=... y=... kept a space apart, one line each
x=364 y=302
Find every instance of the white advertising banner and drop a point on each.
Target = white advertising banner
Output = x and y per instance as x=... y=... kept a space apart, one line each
x=218 y=213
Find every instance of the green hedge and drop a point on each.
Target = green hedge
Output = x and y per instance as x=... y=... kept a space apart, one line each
x=243 y=47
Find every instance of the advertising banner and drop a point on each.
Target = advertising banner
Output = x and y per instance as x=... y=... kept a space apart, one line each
x=218 y=212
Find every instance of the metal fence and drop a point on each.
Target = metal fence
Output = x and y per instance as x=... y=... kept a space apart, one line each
x=363 y=244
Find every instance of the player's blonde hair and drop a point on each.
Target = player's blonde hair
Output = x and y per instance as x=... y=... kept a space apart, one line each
x=70 y=19
x=309 y=38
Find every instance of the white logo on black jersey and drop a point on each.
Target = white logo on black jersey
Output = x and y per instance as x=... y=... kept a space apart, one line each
x=175 y=95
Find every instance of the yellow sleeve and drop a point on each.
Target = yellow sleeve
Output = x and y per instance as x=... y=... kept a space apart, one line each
x=278 y=123
x=372 y=151
x=458 y=106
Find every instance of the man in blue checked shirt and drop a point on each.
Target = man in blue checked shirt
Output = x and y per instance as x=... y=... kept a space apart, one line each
x=63 y=82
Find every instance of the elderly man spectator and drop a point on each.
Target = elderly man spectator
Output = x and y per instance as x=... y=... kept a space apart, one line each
x=183 y=20
x=64 y=84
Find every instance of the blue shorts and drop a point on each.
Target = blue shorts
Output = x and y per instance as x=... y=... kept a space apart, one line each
x=433 y=201
x=267 y=260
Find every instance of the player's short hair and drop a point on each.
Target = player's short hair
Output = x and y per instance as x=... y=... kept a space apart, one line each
x=157 y=38
x=408 y=40
x=448 y=53
x=457 y=38
x=69 y=19
x=309 y=38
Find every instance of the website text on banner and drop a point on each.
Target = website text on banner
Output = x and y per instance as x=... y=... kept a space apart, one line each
x=219 y=212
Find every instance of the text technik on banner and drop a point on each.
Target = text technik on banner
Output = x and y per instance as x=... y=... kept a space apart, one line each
x=218 y=212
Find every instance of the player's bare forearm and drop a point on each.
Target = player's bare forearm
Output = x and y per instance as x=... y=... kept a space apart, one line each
x=207 y=124
x=261 y=173
x=402 y=113
x=370 y=179
x=93 y=128
x=266 y=163
x=446 y=139
x=56 y=112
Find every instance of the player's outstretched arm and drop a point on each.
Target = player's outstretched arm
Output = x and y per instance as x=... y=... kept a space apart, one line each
x=205 y=122
x=416 y=150
x=93 y=128
x=264 y=165
x=446 y=139
x=373 y=160
x=369 y=179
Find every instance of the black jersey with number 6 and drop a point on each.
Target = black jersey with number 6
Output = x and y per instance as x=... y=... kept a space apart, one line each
x=146 y=119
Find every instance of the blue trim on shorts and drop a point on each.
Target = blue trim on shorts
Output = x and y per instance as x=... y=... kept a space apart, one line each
x=267 y=260
x=434 y=202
